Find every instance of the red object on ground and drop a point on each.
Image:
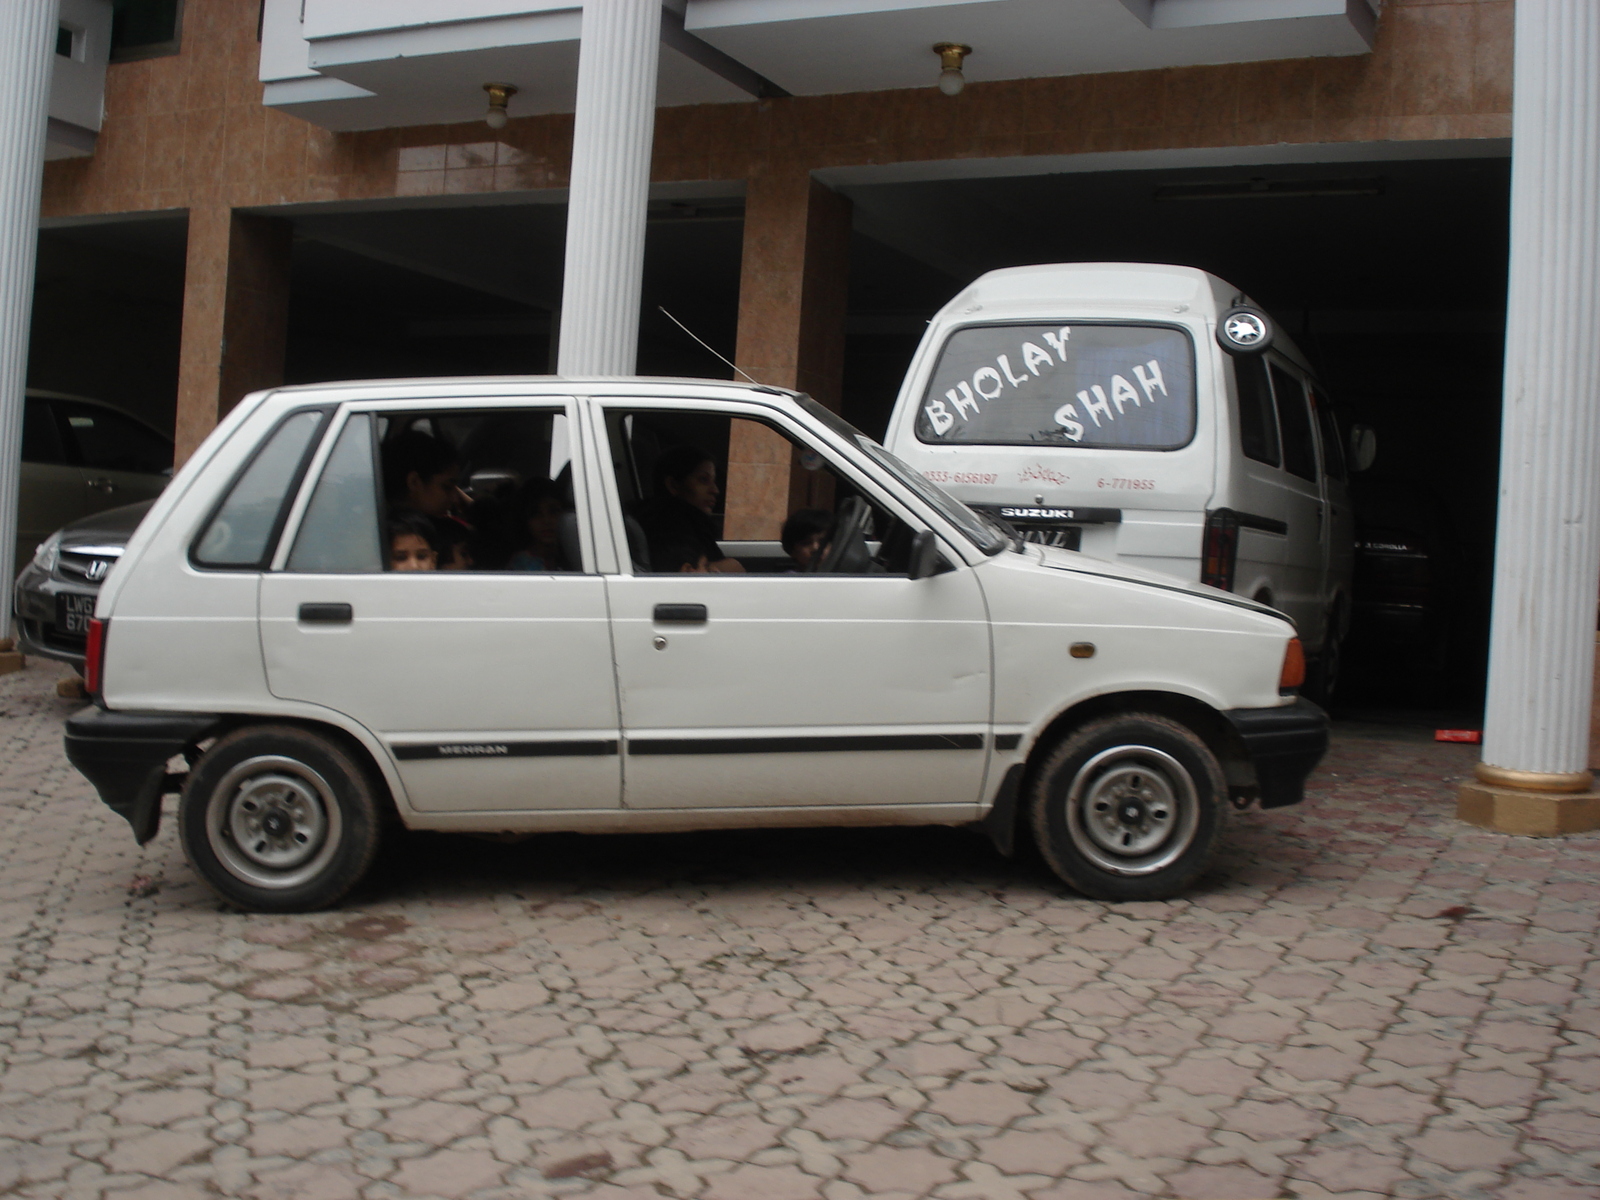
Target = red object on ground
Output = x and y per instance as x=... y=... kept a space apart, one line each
x=1473 y=736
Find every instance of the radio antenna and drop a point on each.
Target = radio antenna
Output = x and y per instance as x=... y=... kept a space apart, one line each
x=701 y=340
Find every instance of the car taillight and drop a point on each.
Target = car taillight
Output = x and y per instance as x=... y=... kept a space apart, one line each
x=1219 y=549
x=1294 y=666
x=94 y=655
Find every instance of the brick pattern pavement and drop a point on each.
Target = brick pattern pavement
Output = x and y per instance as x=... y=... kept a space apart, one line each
x=1369 y=1000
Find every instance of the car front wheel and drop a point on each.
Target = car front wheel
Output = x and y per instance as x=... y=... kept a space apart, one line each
x=279 y=819
x=1129 y=807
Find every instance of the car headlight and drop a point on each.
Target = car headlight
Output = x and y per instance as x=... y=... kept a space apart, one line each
x=48 y=552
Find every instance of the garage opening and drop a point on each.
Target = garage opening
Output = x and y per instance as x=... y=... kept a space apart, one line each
x=1391 y=276
x=476 y=290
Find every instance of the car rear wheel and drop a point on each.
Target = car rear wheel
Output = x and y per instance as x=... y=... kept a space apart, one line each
x=1129 y=807
x=279 y=819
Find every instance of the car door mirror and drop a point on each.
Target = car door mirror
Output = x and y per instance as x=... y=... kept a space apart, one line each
x=925 y=559
x=1363 y=447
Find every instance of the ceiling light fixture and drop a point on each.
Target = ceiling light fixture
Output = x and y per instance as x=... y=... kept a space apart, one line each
x=951 y=55
x=499 y=96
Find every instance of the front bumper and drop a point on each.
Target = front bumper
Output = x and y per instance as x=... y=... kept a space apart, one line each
x=1284 y=744
x=35 y=607
x=125 y=756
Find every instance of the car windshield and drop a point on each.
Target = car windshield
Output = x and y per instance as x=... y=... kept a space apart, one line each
x=989 y=536
x=1128 y=387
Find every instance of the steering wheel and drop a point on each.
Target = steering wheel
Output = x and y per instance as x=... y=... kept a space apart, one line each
x=847 y=541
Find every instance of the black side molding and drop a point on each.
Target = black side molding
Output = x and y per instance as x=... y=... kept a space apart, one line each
x=1252 y=521
x=1285 y=744
x=125 y=756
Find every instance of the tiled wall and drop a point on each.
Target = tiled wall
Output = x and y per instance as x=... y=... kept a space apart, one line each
x=191 y=129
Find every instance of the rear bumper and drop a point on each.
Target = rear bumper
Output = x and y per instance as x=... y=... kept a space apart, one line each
x=1284 y=744
x=125 y=756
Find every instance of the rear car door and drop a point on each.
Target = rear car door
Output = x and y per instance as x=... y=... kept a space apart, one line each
x=121 y=459
x=492 y=688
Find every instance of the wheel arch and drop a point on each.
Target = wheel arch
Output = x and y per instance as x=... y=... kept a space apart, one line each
x=1208 y=724
x=385 y=789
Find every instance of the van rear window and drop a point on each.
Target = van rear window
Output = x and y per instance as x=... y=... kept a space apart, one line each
x=1130 y=387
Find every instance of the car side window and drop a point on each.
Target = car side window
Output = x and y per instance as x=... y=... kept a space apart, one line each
x=240 y=533
x=444 y=490
x=707 y=492
x=41 y=439
x=1258 y=427
x=108 y=441
x=1294 y=419
x=339 y=533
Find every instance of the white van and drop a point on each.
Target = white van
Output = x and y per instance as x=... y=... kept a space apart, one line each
x=1141 y=413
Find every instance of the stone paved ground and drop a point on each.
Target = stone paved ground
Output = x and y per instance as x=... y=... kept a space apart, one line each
x=1369 y=999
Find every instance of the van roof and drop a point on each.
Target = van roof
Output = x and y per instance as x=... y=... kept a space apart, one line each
x=1138 y=284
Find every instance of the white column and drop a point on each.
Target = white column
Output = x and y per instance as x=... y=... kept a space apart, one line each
x=1547 y=547
x=27 y=44
x=611 y=140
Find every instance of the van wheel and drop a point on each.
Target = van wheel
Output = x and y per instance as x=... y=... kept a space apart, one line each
x=1244 y=329
x=1323 y=676
x=279 y=819
x=1130 y=807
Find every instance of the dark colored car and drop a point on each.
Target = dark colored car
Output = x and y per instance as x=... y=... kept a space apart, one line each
x=56 y=591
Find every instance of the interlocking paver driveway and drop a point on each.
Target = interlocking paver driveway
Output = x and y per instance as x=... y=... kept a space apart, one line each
x=1369 y=999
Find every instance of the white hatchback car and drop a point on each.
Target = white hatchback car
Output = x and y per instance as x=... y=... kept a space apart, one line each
x=607 y=657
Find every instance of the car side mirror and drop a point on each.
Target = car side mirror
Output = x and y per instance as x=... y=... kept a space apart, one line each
x=1363 y=447
x=925 y=559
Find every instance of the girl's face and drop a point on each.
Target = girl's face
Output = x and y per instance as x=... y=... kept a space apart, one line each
x=698 y=487
x=544 y=521
x=411 y=552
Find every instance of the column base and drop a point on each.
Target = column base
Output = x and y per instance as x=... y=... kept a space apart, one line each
x=10 y=658
x=1529 y=814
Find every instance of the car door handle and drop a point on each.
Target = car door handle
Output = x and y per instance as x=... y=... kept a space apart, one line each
x=680 y=614
x=327 y=614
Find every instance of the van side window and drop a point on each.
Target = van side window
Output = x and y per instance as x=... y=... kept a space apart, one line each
x=240 y=533
x=339 y=532
x=1294 y=419
x=1332 y=440
x=1258 y=428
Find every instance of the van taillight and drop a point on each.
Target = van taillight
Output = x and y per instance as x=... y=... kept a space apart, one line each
x=94 y=655
x=1219 y=549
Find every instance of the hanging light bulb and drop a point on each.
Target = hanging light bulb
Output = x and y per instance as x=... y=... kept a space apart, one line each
x=951 y=54
x=499 y=96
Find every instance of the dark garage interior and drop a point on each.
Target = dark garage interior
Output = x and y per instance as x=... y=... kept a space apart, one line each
x=1390 y=275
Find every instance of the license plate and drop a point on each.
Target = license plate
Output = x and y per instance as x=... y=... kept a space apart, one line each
x=73 y=611
x=1068 y=538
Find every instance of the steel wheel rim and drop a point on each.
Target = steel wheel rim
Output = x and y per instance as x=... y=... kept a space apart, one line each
x=273 y=822
x=1132 y=810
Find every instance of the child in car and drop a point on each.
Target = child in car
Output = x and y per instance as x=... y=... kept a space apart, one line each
x=412 y=543
x=538 y=515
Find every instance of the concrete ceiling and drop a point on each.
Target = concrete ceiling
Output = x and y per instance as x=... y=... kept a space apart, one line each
x=346 y=66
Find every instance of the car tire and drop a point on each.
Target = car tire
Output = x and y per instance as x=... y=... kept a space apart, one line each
x=1244 y=329
x=279 y=819
x=1129 y=807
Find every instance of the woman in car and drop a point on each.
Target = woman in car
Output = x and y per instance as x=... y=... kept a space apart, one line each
x=677 y=520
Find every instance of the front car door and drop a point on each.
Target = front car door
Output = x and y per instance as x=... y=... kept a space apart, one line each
x=772 y=687
x=492 y=687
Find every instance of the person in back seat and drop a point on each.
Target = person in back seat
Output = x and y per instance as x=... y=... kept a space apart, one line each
x=537 y=514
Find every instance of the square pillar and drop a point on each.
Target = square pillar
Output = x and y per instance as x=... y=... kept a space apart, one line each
x=793 y=287
x=235 y=316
